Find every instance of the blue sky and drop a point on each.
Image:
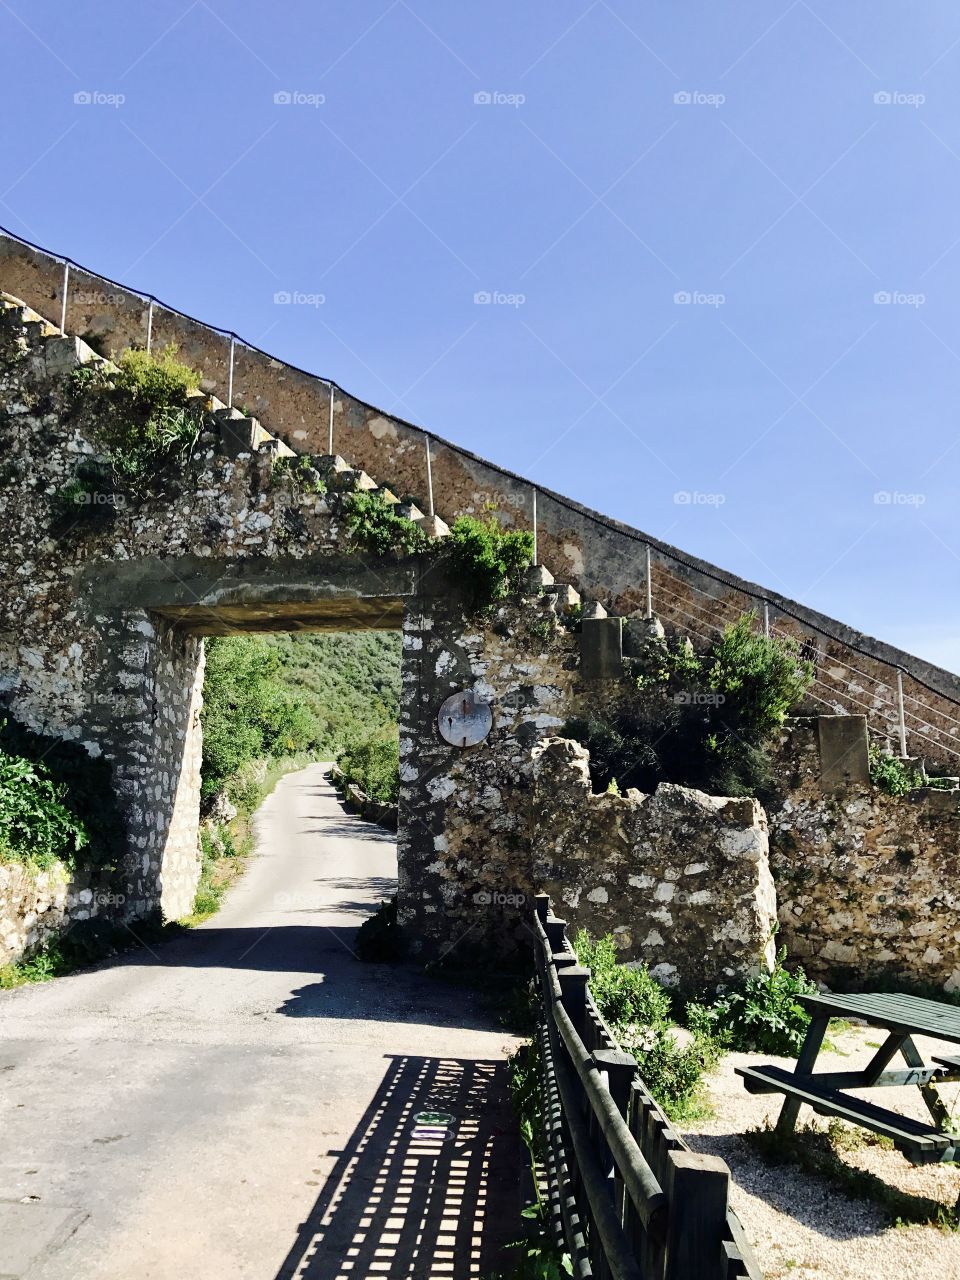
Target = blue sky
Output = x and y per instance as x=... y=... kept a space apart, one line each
x=721 y=245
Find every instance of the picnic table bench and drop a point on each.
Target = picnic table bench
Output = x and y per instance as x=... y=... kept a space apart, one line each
x=902 y=1017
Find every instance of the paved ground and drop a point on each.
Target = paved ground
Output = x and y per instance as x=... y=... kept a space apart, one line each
x=240 y=1103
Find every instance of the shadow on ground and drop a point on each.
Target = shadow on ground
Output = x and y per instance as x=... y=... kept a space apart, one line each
x=415 y=1193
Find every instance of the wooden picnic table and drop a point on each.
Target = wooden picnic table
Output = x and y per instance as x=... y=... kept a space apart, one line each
x=902 y=1017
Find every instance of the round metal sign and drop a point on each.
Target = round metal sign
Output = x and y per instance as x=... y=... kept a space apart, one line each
x=463 y=721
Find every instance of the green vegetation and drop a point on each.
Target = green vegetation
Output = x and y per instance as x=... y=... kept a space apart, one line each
x=373 y=765
x=376 y=526
x=817 y=1152
x=141 y=411
x=699 y=719
x=486 y=560
x=56 y=801
x=760 y=1015
x=300 y=470
x=637 y=1010
x=36 y=827
x=538 y=1257
x=891 y=774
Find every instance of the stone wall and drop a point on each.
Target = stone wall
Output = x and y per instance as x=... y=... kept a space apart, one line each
x=681 y=879
x=868 y=884
x=37 y=906
x=600 y=556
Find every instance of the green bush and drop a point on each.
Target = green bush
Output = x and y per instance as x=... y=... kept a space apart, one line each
x=637 y=1010
x=36 y=827
x=376 y=526
x=699 y=719
x=373 y=765
x=141 y=412
x=761 y=1015
x=891 y=774
x=72 y=780
x=487 y=561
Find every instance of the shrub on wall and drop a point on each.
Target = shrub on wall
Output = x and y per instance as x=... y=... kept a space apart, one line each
x=56 y=802
x=140 y=411
x=487 y=561
x=376 y=526
x=699 y=719
x=373 y=765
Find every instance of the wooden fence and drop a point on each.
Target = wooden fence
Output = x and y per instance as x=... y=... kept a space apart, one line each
x=627 y=1198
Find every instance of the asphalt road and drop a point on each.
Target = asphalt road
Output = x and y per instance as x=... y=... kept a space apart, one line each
x=242 y=1101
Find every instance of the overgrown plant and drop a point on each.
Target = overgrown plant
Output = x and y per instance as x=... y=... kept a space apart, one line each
x=637 y=1009
x=36 y=826
x=377 y=527
x=699 y=719
x=761 y=1014
x=487 y=561
x=141 y=411
x=891 y=774
x=299 y=469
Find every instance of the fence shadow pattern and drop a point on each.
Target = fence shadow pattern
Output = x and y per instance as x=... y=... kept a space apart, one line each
x=628 y=1200
x=410 y=1195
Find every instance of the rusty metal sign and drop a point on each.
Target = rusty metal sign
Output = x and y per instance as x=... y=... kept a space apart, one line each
x=463 y=721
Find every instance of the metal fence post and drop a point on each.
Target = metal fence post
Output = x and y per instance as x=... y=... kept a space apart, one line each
x=431 y=513
x=330 y=425
x=233 y=343
x=649 y=586
x=766 y=619
x=901 y=715
x=63 y=301
x=533 y=504
x=149 y=325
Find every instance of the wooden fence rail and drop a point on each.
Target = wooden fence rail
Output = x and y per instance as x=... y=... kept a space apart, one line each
x=627 y=1198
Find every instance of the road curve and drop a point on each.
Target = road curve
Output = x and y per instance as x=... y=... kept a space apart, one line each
x=242 y=1100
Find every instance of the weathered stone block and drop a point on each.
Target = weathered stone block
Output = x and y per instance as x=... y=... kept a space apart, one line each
x=601 y=648
x=844 y=758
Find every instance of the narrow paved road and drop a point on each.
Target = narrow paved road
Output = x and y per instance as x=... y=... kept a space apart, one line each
x=241 y=1102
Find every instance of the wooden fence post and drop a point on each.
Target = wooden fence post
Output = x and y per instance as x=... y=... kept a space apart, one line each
x=573 y=981
x=696 y=1187
x=542 y=907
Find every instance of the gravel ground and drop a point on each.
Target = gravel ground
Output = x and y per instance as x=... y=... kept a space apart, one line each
x=802 y=1225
